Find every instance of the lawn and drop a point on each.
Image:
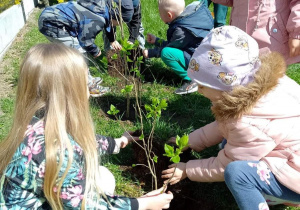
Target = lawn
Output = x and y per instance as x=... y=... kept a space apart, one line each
x=184 y=113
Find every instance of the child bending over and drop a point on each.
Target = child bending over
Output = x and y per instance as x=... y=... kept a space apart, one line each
x=76 y=24
x=257 y=110
x=187 y=27
x=51 y=157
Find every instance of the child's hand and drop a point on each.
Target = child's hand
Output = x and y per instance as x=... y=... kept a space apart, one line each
x=155 y=192
x=145 y=53
x=180 y=173
x=294 y=45
x=151 y=38
x=98 y=54
x=155 y=200
x=116 y=45
x=125 y=139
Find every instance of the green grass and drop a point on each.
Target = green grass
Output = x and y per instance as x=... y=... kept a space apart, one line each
x=184 y=113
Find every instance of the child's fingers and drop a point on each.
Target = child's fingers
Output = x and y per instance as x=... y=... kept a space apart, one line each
x=167 y=173
x=172 y=140
x=172 y=166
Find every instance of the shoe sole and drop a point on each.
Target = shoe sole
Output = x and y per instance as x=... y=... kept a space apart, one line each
x=184 y=93
x=97 y=95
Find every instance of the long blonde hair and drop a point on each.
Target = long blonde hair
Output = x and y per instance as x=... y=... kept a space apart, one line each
x=53 y=78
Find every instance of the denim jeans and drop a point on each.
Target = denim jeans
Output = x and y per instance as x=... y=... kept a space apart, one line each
x=254 y=186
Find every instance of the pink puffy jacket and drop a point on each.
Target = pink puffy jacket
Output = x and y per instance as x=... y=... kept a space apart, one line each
x=270 y=22
x=261 y=123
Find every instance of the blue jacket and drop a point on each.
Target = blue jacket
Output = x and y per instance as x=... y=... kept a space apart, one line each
x=83 y=19
x=186 y=31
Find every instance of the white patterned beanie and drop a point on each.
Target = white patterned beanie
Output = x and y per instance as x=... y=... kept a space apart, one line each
x=227 y=57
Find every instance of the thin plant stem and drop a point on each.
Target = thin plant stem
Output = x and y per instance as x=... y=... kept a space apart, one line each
x=166 y=184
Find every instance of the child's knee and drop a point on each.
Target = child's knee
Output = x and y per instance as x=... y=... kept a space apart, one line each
x=165 y=54
x=233 y=172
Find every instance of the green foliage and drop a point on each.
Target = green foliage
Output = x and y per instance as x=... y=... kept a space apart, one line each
x=126 y=46
x=155 y=159
x=154 y=110
x=113 y=110
x=114 y=57
x=142 y=137
x=127 y=89
x=174 y=154
x=5 y=4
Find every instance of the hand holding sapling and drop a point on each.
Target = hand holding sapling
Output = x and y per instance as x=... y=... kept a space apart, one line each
x=145 y=53
x=116 y=45
x=175 y=173
x=172 y=174
x=125 y=139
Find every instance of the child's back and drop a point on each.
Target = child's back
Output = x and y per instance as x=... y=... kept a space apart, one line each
x=196 y=21
x=77 y=20
x=187 y=27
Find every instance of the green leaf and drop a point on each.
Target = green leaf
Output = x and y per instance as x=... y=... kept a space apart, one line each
x=129 y=60
x=183 y=142
x=177 y=140
x=104 y=60
x=163 y=104
x=127 y=89
x=148 y=108
x=140 y=58
x=169 y=150
x=155 y=159
x=133 y=165
x=136 y=43
x=178 y=151
x=113 y=110
x=114 y=56
x=155 y=101
x=141 y=137
x=175 y=159
x=124 y=50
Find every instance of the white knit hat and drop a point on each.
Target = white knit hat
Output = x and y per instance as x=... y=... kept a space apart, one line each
x=226 y=57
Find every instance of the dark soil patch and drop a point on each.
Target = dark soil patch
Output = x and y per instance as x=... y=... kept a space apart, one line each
x=184 y=195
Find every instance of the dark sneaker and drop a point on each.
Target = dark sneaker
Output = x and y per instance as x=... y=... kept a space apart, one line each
x=186 y=88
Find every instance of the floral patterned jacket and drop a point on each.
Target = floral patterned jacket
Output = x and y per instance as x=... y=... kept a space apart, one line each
x=21 y=185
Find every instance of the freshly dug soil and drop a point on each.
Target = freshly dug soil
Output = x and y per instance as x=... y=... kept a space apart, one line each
x=184 y=197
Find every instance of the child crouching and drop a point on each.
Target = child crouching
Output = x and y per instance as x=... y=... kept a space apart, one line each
x=187 y=27
x=257 y=110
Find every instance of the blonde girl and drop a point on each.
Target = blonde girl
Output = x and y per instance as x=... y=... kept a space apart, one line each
x=51 y=157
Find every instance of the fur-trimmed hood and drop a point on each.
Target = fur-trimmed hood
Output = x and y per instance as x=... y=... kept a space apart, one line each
x=246 y=100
